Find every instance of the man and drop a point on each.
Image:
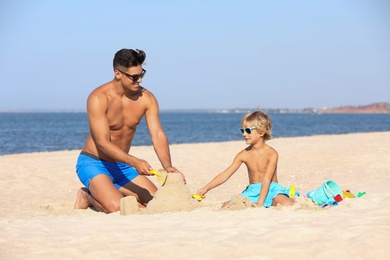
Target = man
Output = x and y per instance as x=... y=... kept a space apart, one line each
x=114 y=110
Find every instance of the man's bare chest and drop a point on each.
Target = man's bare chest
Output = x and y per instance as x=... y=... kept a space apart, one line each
x=124 y=117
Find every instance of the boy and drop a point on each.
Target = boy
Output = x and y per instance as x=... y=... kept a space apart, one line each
x=261 y=161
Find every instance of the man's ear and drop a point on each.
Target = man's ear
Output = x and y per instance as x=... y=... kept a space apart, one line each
x=117 y=74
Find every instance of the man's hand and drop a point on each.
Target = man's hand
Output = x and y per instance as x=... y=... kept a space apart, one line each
x=173 y=169
x=142 y=167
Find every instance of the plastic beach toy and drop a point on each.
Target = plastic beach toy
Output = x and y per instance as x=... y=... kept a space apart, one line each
x=159 y=176
x=197 y=197
x=328 y=193
x=348 y=194
x=361 y=194
x=292 y=191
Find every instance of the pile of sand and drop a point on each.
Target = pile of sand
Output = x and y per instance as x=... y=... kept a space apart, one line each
x=172 y=196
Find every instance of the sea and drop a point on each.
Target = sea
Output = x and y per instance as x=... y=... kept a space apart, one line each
x=39 y=132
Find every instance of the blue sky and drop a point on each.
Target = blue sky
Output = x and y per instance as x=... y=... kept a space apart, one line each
x=218 y=54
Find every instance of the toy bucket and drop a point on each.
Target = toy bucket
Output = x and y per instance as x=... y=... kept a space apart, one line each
x=326 y=193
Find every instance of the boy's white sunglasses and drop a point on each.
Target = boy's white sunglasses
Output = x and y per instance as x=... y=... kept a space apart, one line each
x=247 y=130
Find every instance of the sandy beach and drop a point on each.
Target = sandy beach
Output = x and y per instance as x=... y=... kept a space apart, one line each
x=38 y=190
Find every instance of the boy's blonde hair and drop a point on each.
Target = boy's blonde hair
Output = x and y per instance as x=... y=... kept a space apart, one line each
x=261 y=121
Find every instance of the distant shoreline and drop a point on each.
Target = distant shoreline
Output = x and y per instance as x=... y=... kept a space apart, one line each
x=374 y=108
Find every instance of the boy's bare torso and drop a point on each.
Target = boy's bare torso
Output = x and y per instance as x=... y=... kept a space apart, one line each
x=257 y=162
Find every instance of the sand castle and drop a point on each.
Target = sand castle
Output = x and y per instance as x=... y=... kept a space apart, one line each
x=172 y=196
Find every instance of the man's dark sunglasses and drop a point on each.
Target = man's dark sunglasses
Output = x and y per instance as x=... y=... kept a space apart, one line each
x=135 y=77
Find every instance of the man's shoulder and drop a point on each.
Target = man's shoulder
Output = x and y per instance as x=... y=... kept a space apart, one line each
x=148 y=97
x=103 y=88
x=147 y=92
x=100 y=91
x=99 y=95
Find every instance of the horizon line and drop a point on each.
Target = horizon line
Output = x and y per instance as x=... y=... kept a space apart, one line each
x=218 y=110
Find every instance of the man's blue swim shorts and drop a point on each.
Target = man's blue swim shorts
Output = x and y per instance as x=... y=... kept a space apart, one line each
x=252 y=192
x=88 y=166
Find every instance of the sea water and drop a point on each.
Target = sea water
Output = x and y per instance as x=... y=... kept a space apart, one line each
x=36 y=132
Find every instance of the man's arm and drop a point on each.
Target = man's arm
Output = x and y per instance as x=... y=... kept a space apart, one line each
x=158 y=136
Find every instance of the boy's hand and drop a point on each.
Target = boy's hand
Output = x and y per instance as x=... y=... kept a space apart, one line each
x=197 y=197
x=202 y=192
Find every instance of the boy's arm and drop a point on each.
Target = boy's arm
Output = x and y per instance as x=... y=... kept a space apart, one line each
x=222 y=177
x=269 y=174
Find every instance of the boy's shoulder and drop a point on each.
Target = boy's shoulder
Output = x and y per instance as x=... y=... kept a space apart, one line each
x=269 y=149
x=241 y=154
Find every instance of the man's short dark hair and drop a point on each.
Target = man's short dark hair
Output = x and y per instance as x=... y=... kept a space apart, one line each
x=129 y=58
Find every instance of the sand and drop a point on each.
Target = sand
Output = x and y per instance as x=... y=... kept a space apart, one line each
x=38 y=192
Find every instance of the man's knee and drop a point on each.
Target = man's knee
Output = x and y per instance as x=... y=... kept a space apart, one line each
x=112 y=206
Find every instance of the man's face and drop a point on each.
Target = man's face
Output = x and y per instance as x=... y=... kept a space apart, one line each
x=131 y=77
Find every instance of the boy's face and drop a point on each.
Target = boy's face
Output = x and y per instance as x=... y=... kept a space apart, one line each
x=250 y=133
